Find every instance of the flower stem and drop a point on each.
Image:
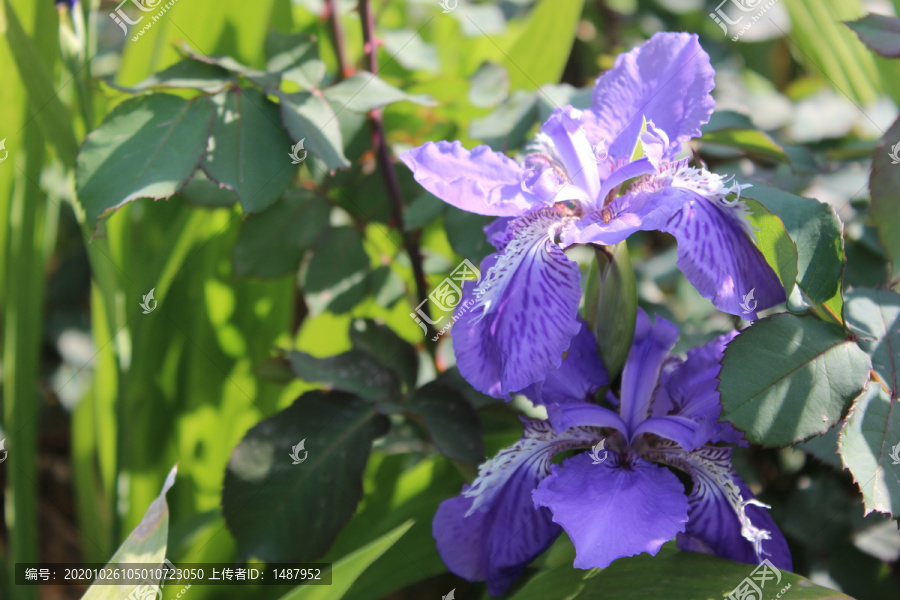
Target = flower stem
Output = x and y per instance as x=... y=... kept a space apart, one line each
x=385 y=164
x=337 y=38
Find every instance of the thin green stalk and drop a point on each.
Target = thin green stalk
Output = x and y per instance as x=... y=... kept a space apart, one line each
x=21 y=354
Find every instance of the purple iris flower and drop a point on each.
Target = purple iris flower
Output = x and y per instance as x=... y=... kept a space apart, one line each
x=594 y=177
x=621 y=498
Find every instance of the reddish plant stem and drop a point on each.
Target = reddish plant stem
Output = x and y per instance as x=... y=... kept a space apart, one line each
x=337 y=38
x=411 y=240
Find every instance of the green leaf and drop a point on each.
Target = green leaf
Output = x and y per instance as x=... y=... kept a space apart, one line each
x=50 y=113
x=401 y=490
x=817 y=233
x=611 y=305
x=465 y=232
x=147 y=147
x=289 y=51
x=272 y=243
x=868 y=443
x=260 y=78
x=774 y=242
x=874 y=316
x=338 y=256
x=248 y=150
x=883 y=185
x=787 y=378
x=452 y=378
x=880 y=33
x=452 y=423
x=355 y=371
x=281 y=511
x=200 y=191
x=364 y=91
x=189 y=74
x=751 y=141
x=726 y=119
x=508 y=126
x=145 y=545
x=670 y=575
x=736 y=130
x=386 y=347
x=490 y=85
x=309 y=117
x=350 y=568
x=542 y=50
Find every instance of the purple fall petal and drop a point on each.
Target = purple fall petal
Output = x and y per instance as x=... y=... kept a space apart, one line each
x=525 y=313
x=723 y=519
x=493 y=529
x=610 y=510
x=480 y=180
x=580 y=375
x=719 y=259
x=667 y=80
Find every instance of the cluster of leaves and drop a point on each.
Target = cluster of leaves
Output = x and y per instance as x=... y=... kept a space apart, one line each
x=224 y=139
x=790 y=377
x=268 y=502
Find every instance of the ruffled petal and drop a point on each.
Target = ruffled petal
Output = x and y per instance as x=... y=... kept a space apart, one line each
x=525 y=311
x=689 y=389
x=479 y=181
x=725 y=518
x=652 y=342
x=581 y=374
x=719 y=259
x=667 y=80
x=613 y=509
x=493 y=530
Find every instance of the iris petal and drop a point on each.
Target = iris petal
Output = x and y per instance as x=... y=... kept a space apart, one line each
x=493 y=530
x=610 y=509
x=525 y=311
x=480 y=180
x=725 y=518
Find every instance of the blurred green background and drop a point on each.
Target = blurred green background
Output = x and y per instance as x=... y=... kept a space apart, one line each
x=100 y=400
